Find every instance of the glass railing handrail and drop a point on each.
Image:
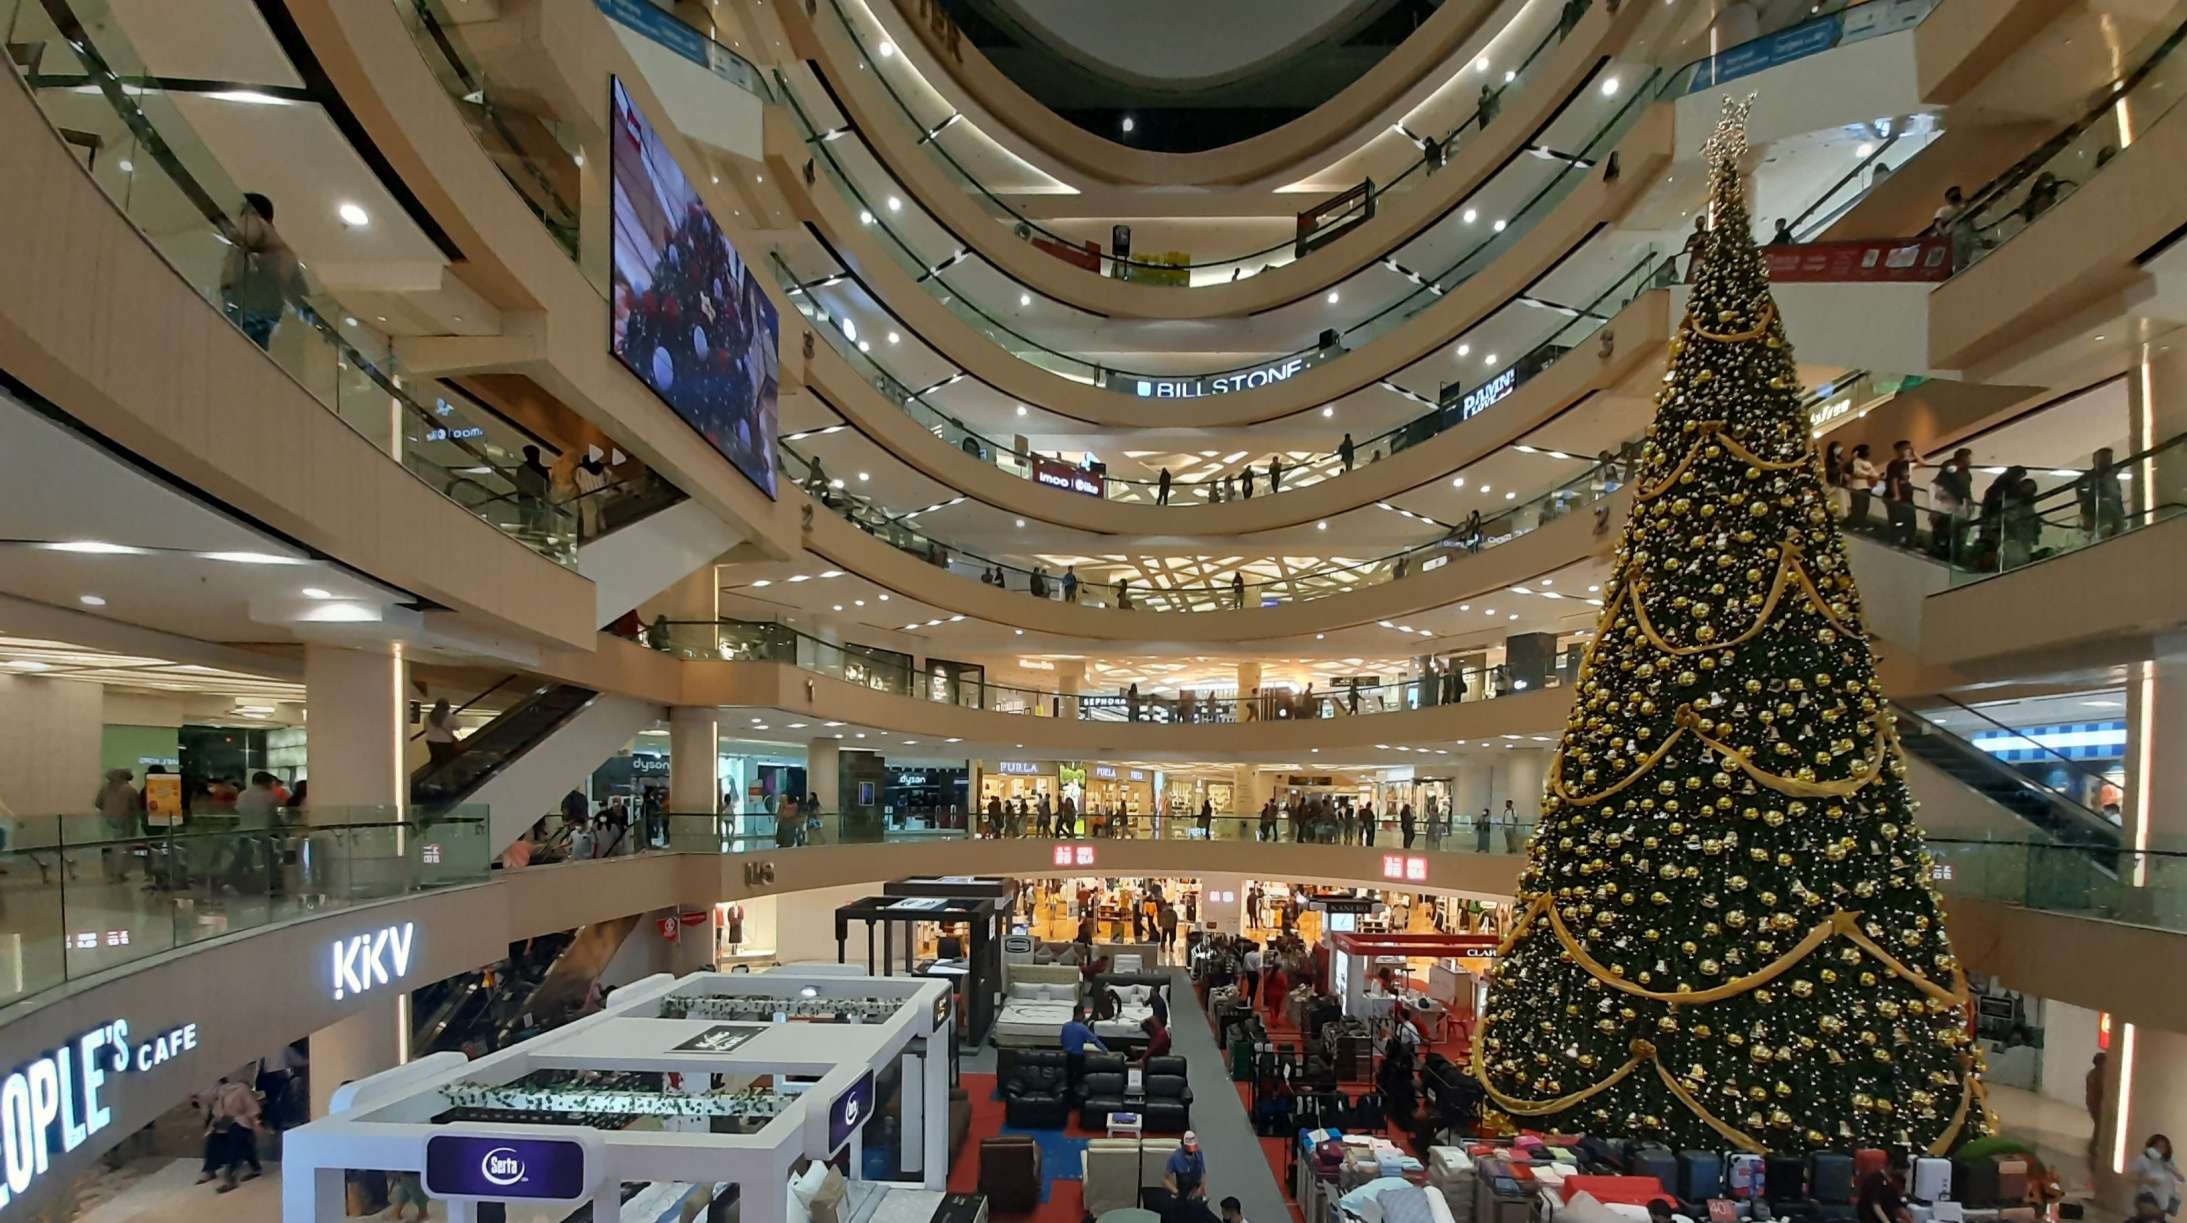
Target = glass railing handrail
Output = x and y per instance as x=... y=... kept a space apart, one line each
x=1589 y=487
x=1687 y=79
x=1583 y=321
x=258 y=292
x=2094 y=507
x=227 y=867
x=2000 y=212
x=2072 y=808
x=2022 y=741
x=731 y=640
x=929 y=136
x=931 y=273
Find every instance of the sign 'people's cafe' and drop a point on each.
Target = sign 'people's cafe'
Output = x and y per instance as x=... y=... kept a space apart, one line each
x=51 y=1104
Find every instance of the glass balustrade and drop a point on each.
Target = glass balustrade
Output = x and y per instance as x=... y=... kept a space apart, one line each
x=947 y=269
x=886 y=671
x=136 y=141
x=78 y=896
x=2132 y=105
x=2014 y=527
x=932 y=127
x=1585 y=490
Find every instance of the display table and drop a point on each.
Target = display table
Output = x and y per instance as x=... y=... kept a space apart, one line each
x=1126 y=1125
x=1129 y=1214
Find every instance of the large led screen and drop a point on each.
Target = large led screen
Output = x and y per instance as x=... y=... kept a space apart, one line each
x=690 y=319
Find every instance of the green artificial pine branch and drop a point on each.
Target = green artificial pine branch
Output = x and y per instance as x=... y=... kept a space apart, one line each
x=1728 y=801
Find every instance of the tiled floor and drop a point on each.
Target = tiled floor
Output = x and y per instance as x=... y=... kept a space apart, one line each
x=166 y=1191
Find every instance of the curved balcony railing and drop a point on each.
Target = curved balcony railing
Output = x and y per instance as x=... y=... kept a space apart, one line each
x=1588 y=489
x=83 y=895
x=935 y=135
x=2131 y=104
x=89 y=81
x=887 y=671
x=1302 y=470
x=948 y=274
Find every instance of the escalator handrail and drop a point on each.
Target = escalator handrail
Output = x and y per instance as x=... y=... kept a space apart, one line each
x=2056 y=756
x=497 y=686
x=2090 y=823
x=427 y=772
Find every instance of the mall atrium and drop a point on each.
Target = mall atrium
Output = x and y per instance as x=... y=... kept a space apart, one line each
x=1539 y=607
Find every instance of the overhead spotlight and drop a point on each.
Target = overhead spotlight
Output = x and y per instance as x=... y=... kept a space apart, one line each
x=1021 y=409
x=1499 y=225
x=1127 y=123
x=353 y=215
x=1609 y=87
x=1025 y=299
x=894 y=338
x=895 y=204
x=886 y=48
x=1465 y=350
x=1329 y=411
x=1470 y=215
x=1332 y=298
x=91 y=600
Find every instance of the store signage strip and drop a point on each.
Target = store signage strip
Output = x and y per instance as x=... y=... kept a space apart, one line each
x=50 y=1105
x=497 y=1167
x=365 y=961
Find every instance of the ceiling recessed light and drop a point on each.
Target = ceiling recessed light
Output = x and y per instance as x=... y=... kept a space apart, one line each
x=1481 y=64
x=1470 y=215
x=353 y=215
x=865 y=217
x=1025 y=299
x=91 y=600
x=1021 y=522
x=893 y=337
x=29 y=664
x=251 y=558
x=1510 y=75
x=1021 y=409
x=1489 y=360
x=95 y=547
x=1329 y=410
x=1457 y=481
x=1609 y=89
x=1332 y=298
x=1499 y=225
x=1323 y=525
x=864 y=476
x=313 y=592
x=1465 y=350
x=886 y=48
x=895 y=204
x=1128 y=123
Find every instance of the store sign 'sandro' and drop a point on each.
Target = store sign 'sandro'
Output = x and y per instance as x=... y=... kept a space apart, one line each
x=1221 y=384
x=379 y=957
x=50 y=1104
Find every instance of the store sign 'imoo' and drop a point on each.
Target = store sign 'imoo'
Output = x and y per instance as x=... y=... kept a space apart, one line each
x=378 y=957
x=51 y=1104
x=497 y=1166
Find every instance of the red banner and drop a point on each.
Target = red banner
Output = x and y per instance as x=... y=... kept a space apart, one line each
x=1088 y=257
x=1921 y=259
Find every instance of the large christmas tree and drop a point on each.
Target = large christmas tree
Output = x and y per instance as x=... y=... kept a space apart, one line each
x=1727 y=935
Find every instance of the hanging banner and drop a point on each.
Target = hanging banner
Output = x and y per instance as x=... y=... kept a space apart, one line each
x=1904 y=259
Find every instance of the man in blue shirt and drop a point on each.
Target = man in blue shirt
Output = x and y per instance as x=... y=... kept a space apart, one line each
x=1076 y=1036
x=1185 y=1176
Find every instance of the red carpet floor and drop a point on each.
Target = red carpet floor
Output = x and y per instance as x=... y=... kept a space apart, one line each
x=1066 y=1198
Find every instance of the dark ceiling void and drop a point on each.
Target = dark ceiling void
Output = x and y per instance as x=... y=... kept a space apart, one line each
x=1173 y=121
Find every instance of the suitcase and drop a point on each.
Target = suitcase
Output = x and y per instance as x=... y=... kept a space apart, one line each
x=1830 y=1177
x=1700 y=1175
x=1449 y=1165
x=1743 y=1175
x=2012 y=1180
x=1658 y=1162
x=1596 y=1154
x=1974 y=1181
x=1932 y=1179
x=1784 y=1178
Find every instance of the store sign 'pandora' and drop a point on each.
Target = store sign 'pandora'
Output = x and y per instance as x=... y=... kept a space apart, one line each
x=363 y=961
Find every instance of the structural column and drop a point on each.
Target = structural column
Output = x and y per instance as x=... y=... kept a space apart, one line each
x=1070 y=679
x=2156 y=412
x=1470 y=791
x=1249 y=679
x=694 y=754
x=373 y=1039
x=358 y=705
x=1523 y=781
x=2156 y=771
x=823 y=773
x=2145 y=1092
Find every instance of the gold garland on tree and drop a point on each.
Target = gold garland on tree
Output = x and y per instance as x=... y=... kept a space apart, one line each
x=1656 y=775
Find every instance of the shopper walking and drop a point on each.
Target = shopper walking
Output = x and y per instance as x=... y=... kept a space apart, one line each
x=1480 y=831
x=1131 y=701
x=1123 y=594
x=1070 y=583
x=119 y=807
x=1511 y=827
x=1951 y=501
x=1860 y=482
x=1185 y=1175
x=1249 y=982
x=1161 y=488
x=534 y=485
x=1345 y=451
x=1275 y=473
x=1207 y=817
x=1075 y=1037
x=1237 y=591
x=440 y=734
x=2096 y=492
x=260 y=274
x=1898 y=493
x=1245 y=481
x=1405 y=824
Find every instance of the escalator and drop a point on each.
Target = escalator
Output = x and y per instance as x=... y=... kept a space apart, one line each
x=489 y=749
x=541 y=985
x=2053 y=813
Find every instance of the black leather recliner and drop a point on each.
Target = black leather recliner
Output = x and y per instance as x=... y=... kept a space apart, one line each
x=1037 y=1093
x=1168 y=1109
x=1104 y=1095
